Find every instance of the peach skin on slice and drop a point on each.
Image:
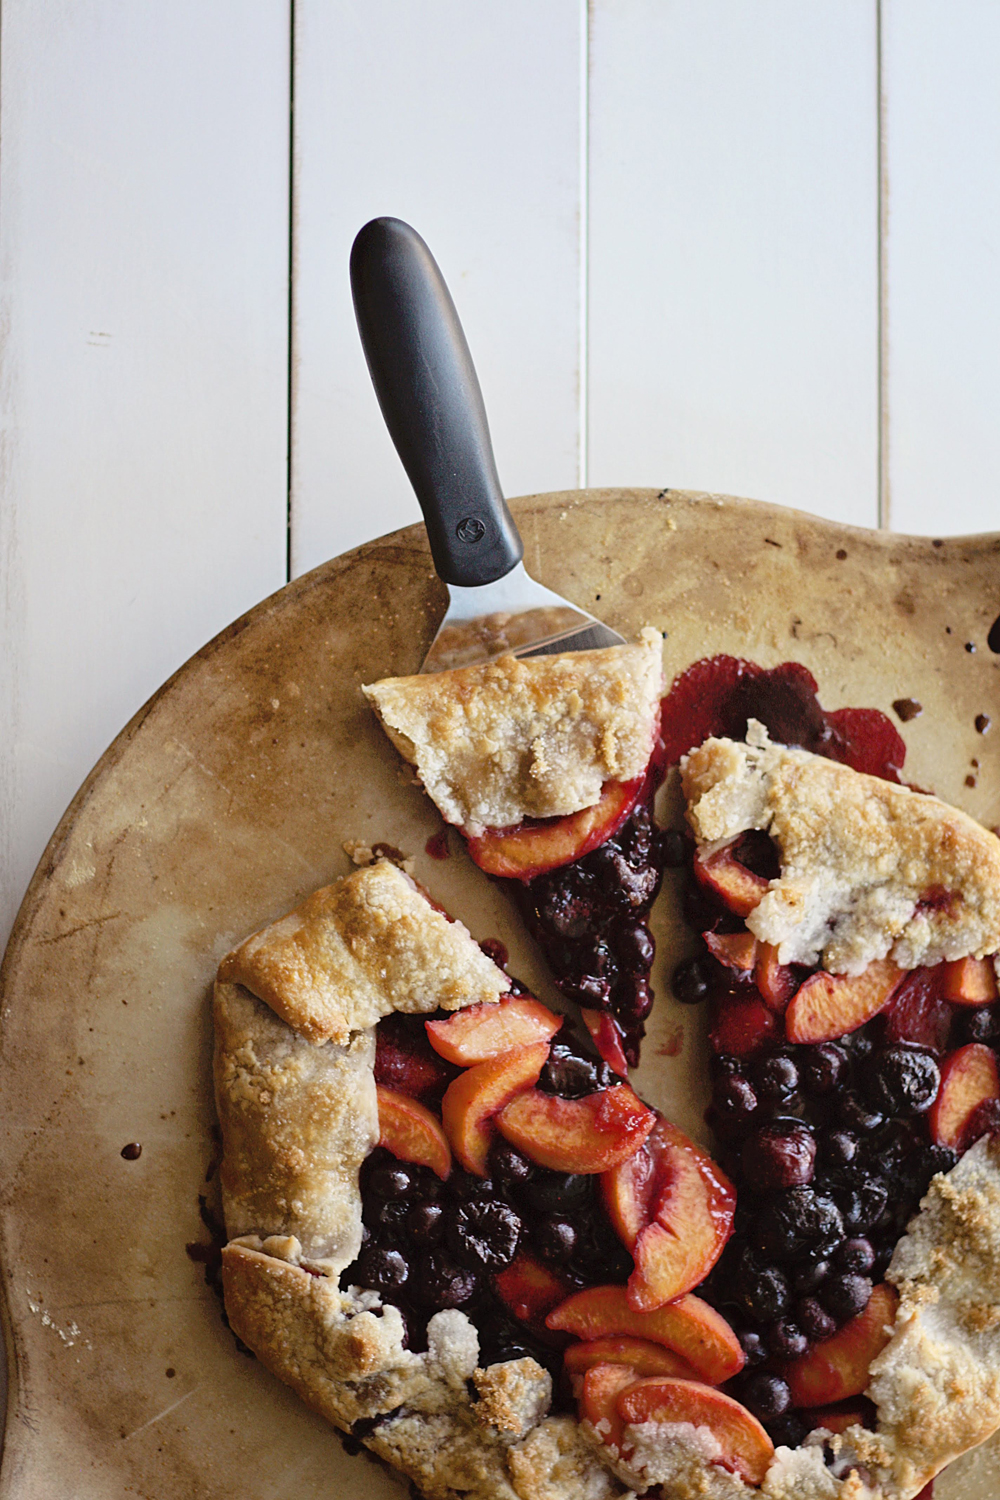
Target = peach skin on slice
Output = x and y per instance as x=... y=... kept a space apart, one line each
x=673 y=1208
x=522 y=852
x=689 y=1326
x=736 y=887
x=577 y=1135
x=838 y=1367
x=828 y=1006
x=742 y=1024
x=746 y=1448
x=837 y=1418
x=641 y=1356
x=484 y=1031
x=602 y=1385
x=970 y=981
x=969 y=1077
x=607 y=1038
x=471 y=1101
x=776 y=982
x=409 y=1130
x=529 y=1288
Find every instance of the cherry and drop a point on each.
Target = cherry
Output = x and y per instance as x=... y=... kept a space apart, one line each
x=845 y=1296
x=766 y=1395
x=779 y=1155
x=815 y=1321
x=382 y=1270
x=855 y=1255
x=786 y=1340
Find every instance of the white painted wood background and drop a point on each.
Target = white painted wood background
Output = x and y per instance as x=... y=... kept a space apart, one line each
x=749 y=245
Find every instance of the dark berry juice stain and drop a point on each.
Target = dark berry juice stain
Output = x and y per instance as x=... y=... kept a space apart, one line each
x=993 y=639
x=906 y=709
x=497 y=951
x=210 y=1256
x=983 y=722
x=132 y=1151
x=718 y=695
x=437 y=845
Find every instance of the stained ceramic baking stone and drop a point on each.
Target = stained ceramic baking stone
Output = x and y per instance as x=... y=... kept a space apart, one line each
x=228 y=798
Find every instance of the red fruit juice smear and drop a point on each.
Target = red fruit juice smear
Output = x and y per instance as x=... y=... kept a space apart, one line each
x=437 y=845
x=716 y=696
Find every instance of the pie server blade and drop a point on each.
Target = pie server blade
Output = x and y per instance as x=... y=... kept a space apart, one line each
x=430 y=398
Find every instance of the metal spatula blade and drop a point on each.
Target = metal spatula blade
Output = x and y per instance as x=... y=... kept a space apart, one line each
x=433 y=407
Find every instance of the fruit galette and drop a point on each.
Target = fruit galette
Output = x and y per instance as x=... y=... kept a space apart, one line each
x=460 y=1235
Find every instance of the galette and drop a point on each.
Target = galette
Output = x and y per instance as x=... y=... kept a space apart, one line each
x=461 y=1236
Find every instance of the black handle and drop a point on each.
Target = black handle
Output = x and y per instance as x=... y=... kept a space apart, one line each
x=430 y=398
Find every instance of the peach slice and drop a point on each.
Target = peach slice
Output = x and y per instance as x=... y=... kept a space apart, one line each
x=409 y=1130
x=577 y=1135
x=689 y=1326
x=736 y=887
x=602 y=1385
x=838 y=1367
x=673 y=1208
x=471 y=1101
x=737 y=950
x=828 y=1006
x=746 y=1448
x=777 y=982
x=484 y=1031
x=529 y=1288
x=969 y=1077
x=742 y=1024
x=607 y=1038
x=970 y=981
x=641 y=1356
x=522 y=852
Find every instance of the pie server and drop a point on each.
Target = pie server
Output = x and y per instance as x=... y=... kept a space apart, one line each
x=430 y=398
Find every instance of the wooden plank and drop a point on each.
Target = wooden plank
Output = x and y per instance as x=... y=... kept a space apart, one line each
x=144 y=224
x=463 y=120
x=941 y=71
x=733 y=250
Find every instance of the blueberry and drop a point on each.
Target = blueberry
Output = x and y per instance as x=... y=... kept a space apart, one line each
x=572 y=1075
x=439 y=1283
x=779 y=1155
x=425 y=1223
x=814 y=1320
x=763 y=1290
x=389 y=1182
x=855 y=1255
x=901 y=1081
x=562 y=904
x=634 y=945
x=822 y=1068
x=559 y=1192
x=382 y=1270
x=856 y=1117
x=810 y=1273
x=753 y=1346
x=980 y=1023
x=776 y=1079
x=510 y=1169
x=695 y=980
x=862 y=1206
x=735 y=1103
x=387 y=1220
x=766 y=1395
x=837 y=1148
x=796 y=1218
x=845 y=1296
x=554 y=1238
x=483 y=1234
x=788 y=1431
x=786 y=1340
x=465 y=1186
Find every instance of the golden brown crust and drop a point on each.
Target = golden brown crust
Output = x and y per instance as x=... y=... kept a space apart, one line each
x=358 y=949
x=859 y=856
x=510 y=739
x=297 y=1122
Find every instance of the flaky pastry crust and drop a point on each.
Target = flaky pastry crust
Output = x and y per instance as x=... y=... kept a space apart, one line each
x=509 y=739
x=358 y=949
x=869 y=870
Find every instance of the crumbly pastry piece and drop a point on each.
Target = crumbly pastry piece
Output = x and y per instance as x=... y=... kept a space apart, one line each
x=869 y=870
x=510 y=739
x=358 y=949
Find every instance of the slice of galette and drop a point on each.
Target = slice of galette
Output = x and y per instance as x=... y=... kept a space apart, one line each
x=549 y=767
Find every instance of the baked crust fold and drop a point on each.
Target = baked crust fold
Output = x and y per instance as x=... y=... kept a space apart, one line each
x=297 y=1121
x=353 y=951
x=869 y=870
x=509 y=739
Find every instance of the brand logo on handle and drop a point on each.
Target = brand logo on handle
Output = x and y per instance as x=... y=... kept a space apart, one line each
x=470 y=529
